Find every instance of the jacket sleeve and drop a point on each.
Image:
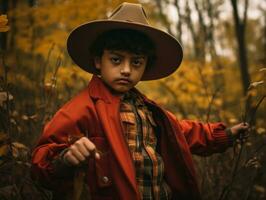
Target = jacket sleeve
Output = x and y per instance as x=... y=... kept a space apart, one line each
x=205 y=138
x=46 y=166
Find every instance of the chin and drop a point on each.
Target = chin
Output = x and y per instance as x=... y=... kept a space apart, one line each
x=120 y=91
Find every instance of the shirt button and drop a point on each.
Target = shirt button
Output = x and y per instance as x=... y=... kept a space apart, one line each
x=105 y=179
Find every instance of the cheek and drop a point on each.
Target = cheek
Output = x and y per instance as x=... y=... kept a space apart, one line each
x=138 y=74
x=141 y=72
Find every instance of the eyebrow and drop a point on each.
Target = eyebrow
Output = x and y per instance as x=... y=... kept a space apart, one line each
x=134 y=55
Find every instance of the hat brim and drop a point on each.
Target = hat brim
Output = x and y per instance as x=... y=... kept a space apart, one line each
x=168 y=51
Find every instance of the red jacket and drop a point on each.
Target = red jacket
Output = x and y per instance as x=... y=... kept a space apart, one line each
x=95 y=111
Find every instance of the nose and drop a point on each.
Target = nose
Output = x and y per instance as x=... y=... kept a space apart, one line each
x=125 y=69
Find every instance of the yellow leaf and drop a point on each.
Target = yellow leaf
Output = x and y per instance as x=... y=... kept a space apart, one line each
x=233 y=120
x=4 y=29
x=3 y=20
x=3 y=23
x=261 y=130
x=3 y=137
x=4 y=148
x=260 y=189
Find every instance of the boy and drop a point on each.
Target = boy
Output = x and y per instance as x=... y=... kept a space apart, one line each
x=130 y=147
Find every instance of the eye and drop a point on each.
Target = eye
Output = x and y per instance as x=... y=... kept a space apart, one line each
x=115 y=60
x=137 y=62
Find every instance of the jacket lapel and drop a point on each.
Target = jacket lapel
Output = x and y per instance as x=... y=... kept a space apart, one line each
x=107 y=107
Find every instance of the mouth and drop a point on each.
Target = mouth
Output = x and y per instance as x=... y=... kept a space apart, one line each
x=123 y=81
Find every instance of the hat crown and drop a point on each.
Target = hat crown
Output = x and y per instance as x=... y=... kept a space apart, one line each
x=130 y=12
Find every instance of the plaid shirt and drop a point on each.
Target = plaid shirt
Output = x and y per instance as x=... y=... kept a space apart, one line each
x=140 y=135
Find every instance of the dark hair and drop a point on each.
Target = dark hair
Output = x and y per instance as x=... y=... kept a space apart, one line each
x=124 y=40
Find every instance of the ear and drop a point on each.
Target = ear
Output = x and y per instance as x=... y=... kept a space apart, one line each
x=97 y=62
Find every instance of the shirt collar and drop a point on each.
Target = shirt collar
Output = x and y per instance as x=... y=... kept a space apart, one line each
x=134 y=97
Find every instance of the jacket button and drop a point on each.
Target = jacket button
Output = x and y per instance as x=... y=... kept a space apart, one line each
x=105 y=179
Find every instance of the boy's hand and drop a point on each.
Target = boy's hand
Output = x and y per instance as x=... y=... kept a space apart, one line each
x=242 y=129
x=80 y=151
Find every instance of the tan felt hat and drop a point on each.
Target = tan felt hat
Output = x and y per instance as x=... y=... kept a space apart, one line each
x=168 y=51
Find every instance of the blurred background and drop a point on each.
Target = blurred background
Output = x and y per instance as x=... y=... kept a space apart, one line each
x=222 y=78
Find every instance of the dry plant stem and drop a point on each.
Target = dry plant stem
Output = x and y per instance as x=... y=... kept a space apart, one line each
x=204 y=173
x=211 y=103
x=251 y=183
x=7 y=101
x=227 y=189
x=79 y=176
x=253 y=154
x=252 y=113
x=203 y=81
x=58 y=64
x=260 y=148
x=171 y=91
x=44 y=71
x=8 y=121
x=214 y=94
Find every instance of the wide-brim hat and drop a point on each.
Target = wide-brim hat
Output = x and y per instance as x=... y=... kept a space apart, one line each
x=168 y=51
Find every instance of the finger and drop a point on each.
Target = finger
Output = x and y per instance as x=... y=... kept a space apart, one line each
x=97 y=155
x=76 y=153
x=89 y=145
x=82 y=149
x=70 y=159
x=91 y=148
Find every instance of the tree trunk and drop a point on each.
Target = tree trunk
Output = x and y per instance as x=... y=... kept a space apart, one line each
x=179 y=23
x=240 y=28
x=202 y=33
x=163 y=16
x=218 y=76
x=192 y=31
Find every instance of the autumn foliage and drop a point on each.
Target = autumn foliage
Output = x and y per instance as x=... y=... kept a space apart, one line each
x=37 y=77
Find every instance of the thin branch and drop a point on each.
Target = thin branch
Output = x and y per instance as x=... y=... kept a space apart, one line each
x=7 y=93
x=211 y=103
x=171 y=91
x=227 y=189
x=253 y=111
x=245 y=14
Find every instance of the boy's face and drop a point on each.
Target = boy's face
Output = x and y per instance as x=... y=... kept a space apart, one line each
x=121 y=70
